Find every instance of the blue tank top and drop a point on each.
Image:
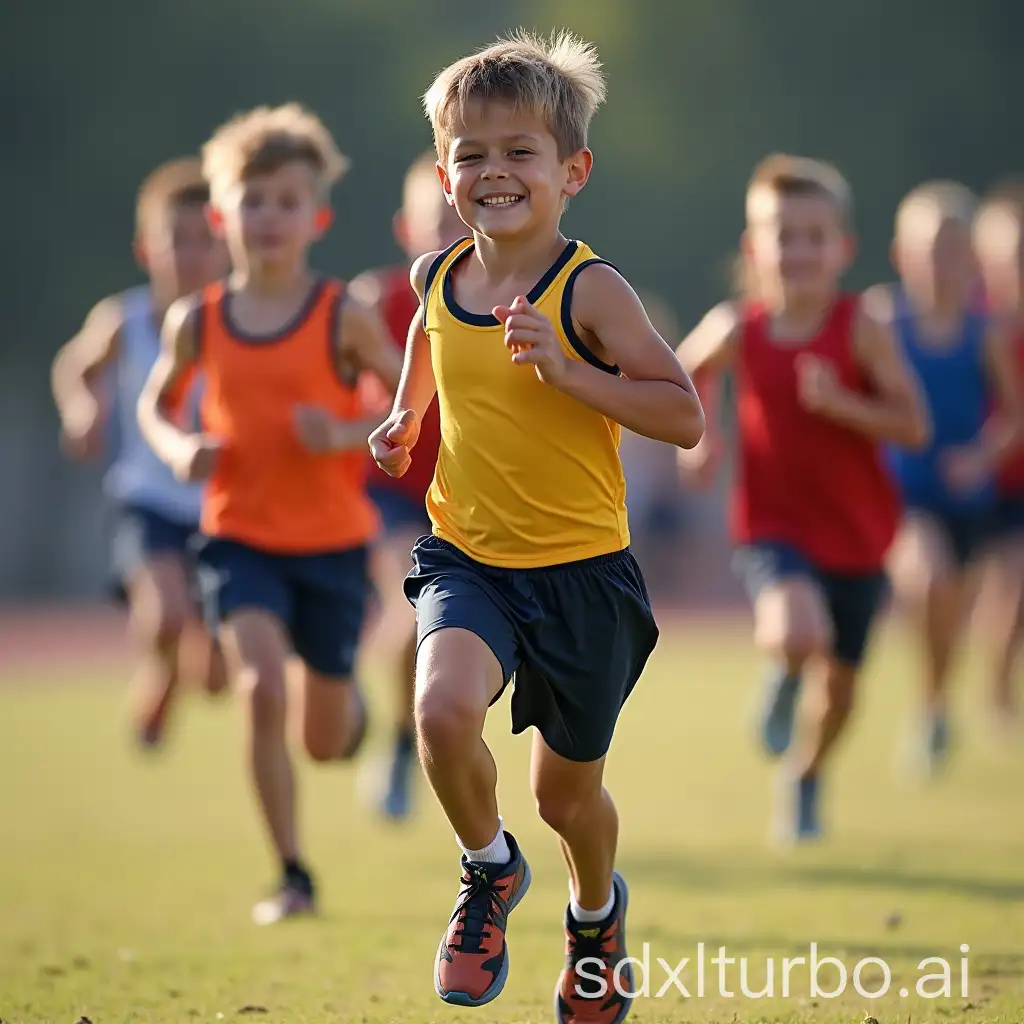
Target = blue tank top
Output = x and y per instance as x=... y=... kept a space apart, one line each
x=137 y=475
x=957 y=390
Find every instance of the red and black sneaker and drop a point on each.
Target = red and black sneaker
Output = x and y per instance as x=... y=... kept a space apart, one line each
x=590 y=990
x=472 y=959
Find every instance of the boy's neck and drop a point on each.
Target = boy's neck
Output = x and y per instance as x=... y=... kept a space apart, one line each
x=509 y=258
x=161 y=299
x=939 y=316
x=800 y=320
x=271 y=281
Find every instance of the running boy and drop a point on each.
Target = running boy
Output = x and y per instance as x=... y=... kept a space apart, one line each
x=539 y=352
x=819 y=383
x=948 y=489
x=425 y=223
x=285 y=516
x=999 y=244
x=156 y=514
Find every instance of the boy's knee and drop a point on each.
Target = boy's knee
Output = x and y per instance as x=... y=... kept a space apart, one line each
x=322 y=747
x=264 y=686
x=160 y=619
x=559 y=810
x=840 y=691
x=796 y=642
x=445 y=719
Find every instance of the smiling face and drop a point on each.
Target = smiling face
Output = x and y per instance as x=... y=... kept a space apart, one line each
x=504 y=175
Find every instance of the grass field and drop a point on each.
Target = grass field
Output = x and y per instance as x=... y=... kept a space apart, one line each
x=126 y=883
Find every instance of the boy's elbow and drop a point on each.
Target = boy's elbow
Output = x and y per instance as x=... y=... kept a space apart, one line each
x=692 y=425
x=919 y=430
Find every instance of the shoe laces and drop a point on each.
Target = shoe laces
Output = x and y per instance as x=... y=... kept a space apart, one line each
x=479 y=903
x=589 y=942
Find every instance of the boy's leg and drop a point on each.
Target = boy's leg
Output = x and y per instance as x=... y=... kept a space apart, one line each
x=853 y=605
x=1002 y=612
x=791 y=626
x=589 y=631
x=330 y=609
x=149 y=555
x=467 y=652
x=246 y=592
x=928 y=572
x=405 y=524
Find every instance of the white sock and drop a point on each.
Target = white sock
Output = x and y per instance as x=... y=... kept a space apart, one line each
x=495 y=852
x=582 y=916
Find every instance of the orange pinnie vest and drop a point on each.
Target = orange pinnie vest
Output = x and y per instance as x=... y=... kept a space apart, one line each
x=266 y=489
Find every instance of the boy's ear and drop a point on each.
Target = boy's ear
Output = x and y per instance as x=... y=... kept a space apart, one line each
x=446 y=184
x=324 y=220
x=140 y=254
x=579 y=168
x=852 y=248
x=215 y=219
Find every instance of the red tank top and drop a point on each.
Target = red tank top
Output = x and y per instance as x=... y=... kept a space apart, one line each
x=802 y=479
x=266 y=489
x=1010 y=479
x=398 y=306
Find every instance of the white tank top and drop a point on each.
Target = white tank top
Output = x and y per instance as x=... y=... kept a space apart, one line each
x=138 y=476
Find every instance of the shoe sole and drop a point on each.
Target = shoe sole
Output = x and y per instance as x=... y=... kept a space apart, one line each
x=495 y=987
x=627 y=974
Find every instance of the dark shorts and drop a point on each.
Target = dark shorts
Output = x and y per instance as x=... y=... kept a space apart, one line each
x=319 y=598
x=1007 y=518
x=139 y=535
x=853 y=600
x=398 y=511
x=575 y=637
x=965 y=532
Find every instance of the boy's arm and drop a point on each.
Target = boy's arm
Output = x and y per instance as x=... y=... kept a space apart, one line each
x=191 y=456
x=898 y=411
x=75 y=369
x=654 y=396
x=364 y=340
x=1005 y=431
x=392 y=442
x=417 y=387
x=708 y=351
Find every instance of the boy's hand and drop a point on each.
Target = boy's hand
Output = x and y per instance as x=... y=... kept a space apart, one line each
x=699 y=464
x=966 y=468
x=82 y=429
x=532 y=340
x=316 y=429
x=393 y=441
x=197 y=458
x=817 y=383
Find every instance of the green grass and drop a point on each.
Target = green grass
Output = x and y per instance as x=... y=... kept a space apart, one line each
x=126 y=883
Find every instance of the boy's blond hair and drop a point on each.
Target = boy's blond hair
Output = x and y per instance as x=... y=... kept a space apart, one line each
x=784 y=175
x=949 y=200
x=263 y=140
x=558 y=80
x=175 y=183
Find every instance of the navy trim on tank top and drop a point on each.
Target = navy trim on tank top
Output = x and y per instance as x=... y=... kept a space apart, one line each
x=489 y=319
x=432 y=270
x=566 y=316
x=303 y=314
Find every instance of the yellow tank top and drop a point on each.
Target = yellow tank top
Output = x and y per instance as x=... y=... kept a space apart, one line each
x=526 y=476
